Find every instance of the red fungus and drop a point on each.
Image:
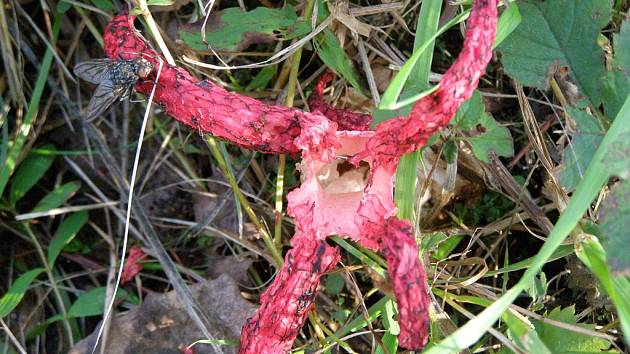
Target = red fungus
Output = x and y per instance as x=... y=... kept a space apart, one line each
x=346 y=120
x=347 y=176
x=132 y=265
x=209 y=108
x=401 y=135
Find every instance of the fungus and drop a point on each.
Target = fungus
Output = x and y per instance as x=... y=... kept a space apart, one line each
x=347 y=175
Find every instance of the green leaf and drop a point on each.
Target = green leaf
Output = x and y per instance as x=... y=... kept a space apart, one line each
x=65 y=233
x=561 y=30
x=560 y=340
x=390 y=342
x=334 y=283
x=89 y=303
x=30 y=171
x=261 y=79
x=445 y=248
x=493 y=137
x=524 y=336
x=233 y=29
x=538 y=287
x=16 y=292
x=579 y=153
x=470 y=112
x=615 y=223
x=509 y=20
x=617 y=85
x=105 y=5
x=431 y=241
x=330 y=52
x=41 y=327
x=593 y=255
x=496 y=138
x=617 y=159
x=57 y=197
x=389 y=318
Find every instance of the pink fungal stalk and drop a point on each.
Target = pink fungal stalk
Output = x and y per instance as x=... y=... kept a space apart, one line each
x=347 y=175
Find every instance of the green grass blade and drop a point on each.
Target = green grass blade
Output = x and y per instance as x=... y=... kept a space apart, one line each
x=426 y=32
x=31 y=112
x=396 y=86
x=509 y=20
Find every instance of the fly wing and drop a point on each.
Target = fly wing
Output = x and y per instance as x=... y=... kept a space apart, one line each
x=106 y=93
x=94 y=71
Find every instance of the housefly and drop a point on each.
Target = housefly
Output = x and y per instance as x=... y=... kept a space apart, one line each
x=115 y=79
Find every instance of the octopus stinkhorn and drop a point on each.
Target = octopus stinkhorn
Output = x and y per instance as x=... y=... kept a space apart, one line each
x=347 y=174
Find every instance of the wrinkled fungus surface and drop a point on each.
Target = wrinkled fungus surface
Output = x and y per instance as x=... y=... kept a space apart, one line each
x=347 y=174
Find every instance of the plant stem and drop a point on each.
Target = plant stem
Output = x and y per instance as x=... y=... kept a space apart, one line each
x=155 y=31
x=291 y=87
x=214 y=148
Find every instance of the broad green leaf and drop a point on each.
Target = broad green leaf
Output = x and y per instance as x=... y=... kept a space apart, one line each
x=57 y=197
x=31 y=170
x=233 y=29
x=493 y=137
x=565 y=31
x=17 y=290
x=261 y=79
x=470 y=112
x=89 y=303
x=330 y=52
x=65 y=233
x=615 y=223
x=560 y=340
x=578 y=154
x=617 y=85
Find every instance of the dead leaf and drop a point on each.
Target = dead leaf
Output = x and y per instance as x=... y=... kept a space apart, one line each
x=161 y=325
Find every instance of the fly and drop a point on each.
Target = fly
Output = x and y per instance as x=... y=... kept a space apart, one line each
x=115 y=79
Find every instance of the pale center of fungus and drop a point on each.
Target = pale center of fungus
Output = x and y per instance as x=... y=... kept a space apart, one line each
x=339 y=176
